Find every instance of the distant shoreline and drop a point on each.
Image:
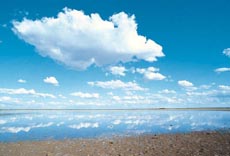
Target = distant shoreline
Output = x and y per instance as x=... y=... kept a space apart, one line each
x=131 y=109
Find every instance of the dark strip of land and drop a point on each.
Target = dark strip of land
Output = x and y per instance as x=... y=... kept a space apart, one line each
x=196 y=143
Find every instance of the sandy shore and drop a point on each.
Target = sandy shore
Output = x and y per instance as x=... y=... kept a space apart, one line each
x=191 y=144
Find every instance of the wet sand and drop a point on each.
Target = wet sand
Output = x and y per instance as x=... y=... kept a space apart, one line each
x=191 y=144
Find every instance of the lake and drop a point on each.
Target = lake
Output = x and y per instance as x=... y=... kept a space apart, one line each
x=24 y=125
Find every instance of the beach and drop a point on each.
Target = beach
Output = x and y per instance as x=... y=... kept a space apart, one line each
x=183 y=144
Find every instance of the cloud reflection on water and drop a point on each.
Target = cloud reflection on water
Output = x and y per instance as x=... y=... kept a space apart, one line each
x=80 y=124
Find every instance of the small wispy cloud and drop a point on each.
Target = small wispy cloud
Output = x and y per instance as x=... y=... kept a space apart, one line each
x=185 y=83
x=51 y=80
x=23 y=91
x=21 y=81
x=167 y=91
x=220 y=70
x=9 y=99
x=224 y=87
x=117 y=84
x=85 y=95
x=227 y=52
x=188 y=86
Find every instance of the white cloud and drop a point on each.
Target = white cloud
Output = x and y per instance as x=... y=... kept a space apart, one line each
x=118 y=70
x=223 y=87
x=79 y=40
x=224 y=69
x=185 y=83
x=205 y=86
x=110 y=93
x=85 y=125
x=8 y=99
x=23 y=91
x=220 y=95
x=127 y=98
x=61 y=96
x=133 y=97
x=159 y=99
x=44 y=95
x=151 y=73
x=116 y=98
x=51 y=80
x=21 y=81
x=17 y=91
x=117 y=84
x=85 y=95
x=5 y=98
x=154 y=76
x=227 y=52
x=167 y=91
x=143 y=70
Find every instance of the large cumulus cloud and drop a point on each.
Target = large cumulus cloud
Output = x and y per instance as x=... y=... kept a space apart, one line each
x=79 y=40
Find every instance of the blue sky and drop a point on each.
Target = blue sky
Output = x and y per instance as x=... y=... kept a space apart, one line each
x=114 y=54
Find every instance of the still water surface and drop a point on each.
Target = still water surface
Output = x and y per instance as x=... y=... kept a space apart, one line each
x=66 y=124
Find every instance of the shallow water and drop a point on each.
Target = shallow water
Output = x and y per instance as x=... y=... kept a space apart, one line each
x=69 y=124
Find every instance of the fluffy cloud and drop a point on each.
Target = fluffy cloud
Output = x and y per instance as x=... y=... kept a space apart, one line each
x=117 y=70
x=150 y=73
x=117 y=84
x=79 y=40
x=185 y=83
x=219 y=70
x=154 y=76
x=51 y=80
x=85 y=125
x=227 y=52
x=85 y=95
x=23 y=91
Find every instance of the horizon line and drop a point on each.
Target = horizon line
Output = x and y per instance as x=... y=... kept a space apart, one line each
x=111 y=109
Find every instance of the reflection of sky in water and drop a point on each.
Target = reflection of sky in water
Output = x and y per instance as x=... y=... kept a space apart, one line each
x=39 y=125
